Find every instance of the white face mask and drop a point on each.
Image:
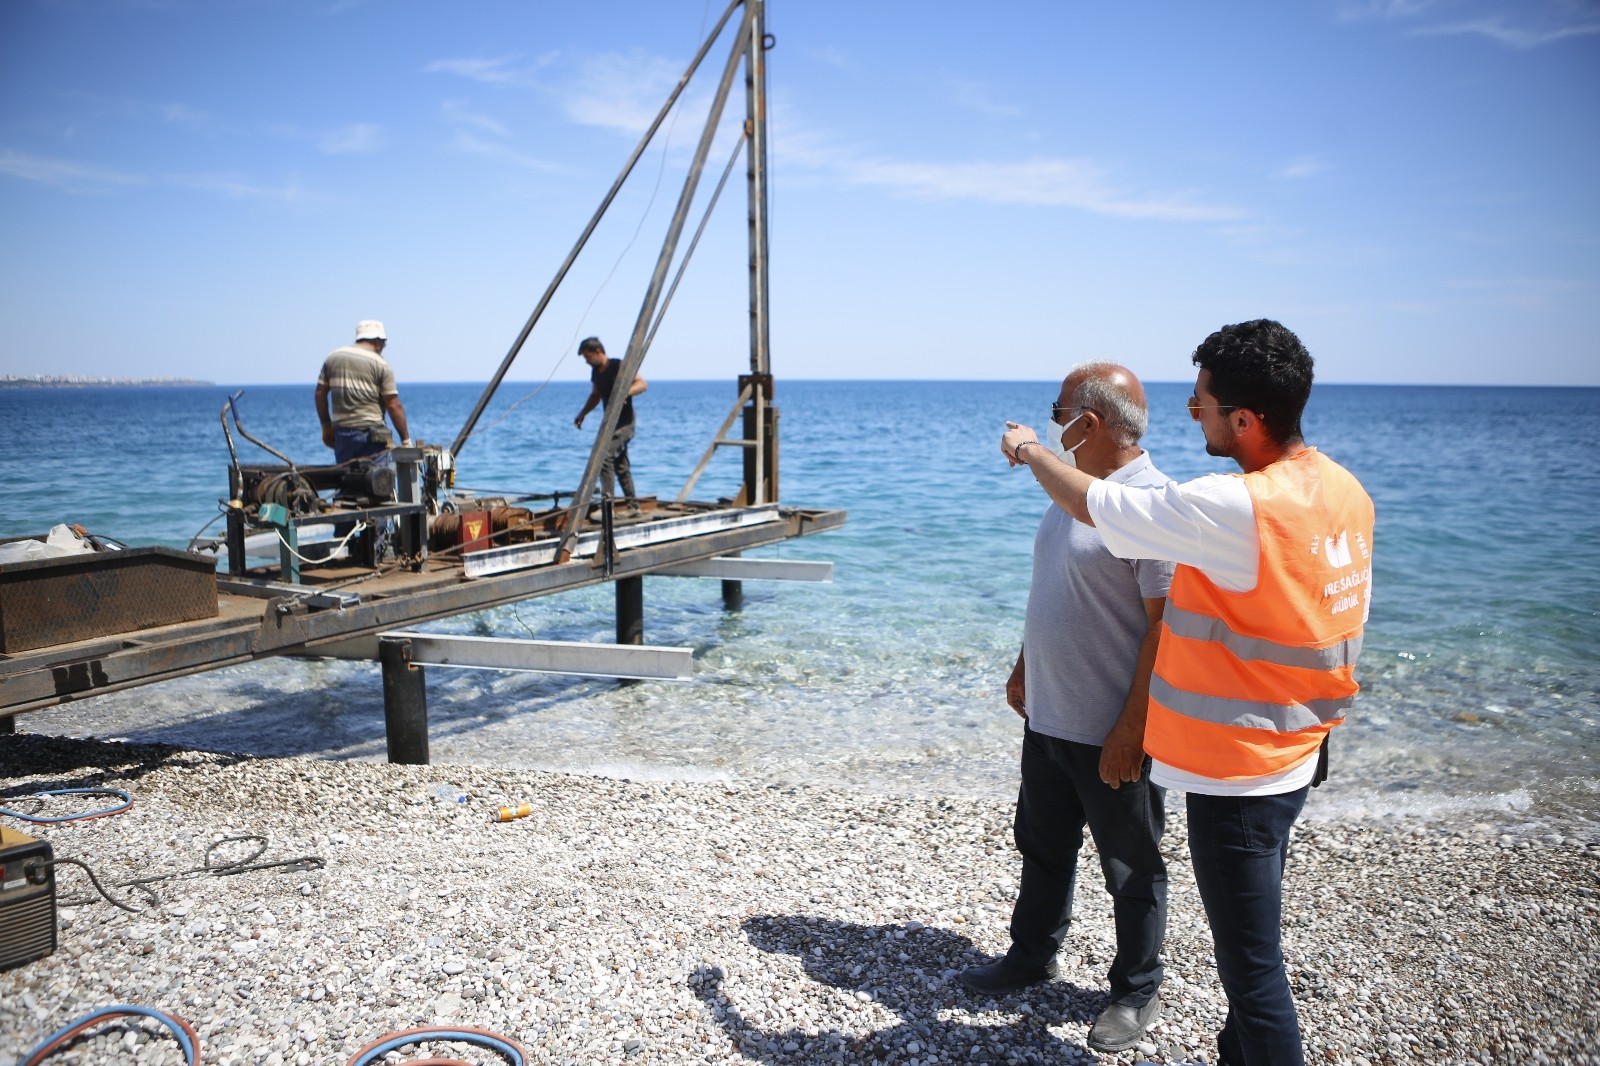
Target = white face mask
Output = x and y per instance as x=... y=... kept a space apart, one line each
x=1053 y=434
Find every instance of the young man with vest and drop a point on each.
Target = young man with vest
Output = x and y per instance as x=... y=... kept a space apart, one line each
x=1259 y=641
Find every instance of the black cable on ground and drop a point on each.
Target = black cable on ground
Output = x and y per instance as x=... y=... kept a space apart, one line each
x=210 y=868
x=238 y=866
x=95 y=881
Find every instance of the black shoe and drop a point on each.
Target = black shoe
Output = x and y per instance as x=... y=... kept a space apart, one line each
x=1120 y=1025
x=1006 y=975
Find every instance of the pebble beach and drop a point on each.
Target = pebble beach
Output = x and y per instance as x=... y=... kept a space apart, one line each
x=649 y=922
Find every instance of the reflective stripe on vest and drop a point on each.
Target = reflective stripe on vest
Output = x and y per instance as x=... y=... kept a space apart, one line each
x=1198 y=626
x=1249 y=714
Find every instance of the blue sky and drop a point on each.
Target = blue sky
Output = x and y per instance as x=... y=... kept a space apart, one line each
x=221 y=188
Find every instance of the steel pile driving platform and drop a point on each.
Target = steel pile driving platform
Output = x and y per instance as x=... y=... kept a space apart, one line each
x=258 y=617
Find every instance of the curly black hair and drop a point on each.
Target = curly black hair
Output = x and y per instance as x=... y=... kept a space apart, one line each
x=1262 y=366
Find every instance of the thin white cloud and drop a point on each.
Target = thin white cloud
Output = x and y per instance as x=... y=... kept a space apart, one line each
x=470 y=143
x=186 y=117
x=974 y=96
x=1033 y=182
x=624 y=92
x=1502 y=31
x=488 y=138
x=1522 y=26
x=357 y=138
x=235 y=187
x=456 y=112
x=63 y=174
x=1304 y=166
x=831 y=56
x=1527 y=294
x=78 y=178
x=1040 y=182
x=507 y=70
x=1259 y=235
x=1364 y=10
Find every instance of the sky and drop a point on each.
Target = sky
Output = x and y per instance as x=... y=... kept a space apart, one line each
x=221 y=189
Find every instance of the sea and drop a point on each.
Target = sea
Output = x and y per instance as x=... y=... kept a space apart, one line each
x=1480 y=674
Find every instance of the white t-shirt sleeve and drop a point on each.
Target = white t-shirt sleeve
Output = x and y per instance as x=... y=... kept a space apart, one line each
x=1208 y=523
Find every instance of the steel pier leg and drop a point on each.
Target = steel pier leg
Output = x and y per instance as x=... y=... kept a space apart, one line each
x=405 y=703
x=630 y=610
x=733 y=593
x=630 y=615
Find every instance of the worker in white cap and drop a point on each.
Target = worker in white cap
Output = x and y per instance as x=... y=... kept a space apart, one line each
x=360 y=383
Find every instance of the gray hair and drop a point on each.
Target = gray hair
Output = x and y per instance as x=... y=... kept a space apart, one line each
x=1124 y=415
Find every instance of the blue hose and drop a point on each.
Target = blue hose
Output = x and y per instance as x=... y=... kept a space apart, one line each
x=180 y=1030
x=373 y=1053
x=127 y=801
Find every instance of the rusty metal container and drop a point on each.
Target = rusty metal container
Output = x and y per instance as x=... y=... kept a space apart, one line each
x=58 y=601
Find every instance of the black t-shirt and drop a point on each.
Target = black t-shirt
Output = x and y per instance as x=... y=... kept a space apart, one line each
x=604 y=379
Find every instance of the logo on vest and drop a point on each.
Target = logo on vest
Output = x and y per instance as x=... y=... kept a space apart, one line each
x=1335 y=548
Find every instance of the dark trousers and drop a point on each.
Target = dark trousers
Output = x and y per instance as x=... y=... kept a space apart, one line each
x=1239 y=845
x=358 y=443
x=1061 y=793
x=362 y=443
x=615 y=467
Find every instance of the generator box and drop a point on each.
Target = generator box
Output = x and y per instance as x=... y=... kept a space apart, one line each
x=27 y=899
x=46 y=602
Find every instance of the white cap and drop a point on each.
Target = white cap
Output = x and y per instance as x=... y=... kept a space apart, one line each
x=370 y=329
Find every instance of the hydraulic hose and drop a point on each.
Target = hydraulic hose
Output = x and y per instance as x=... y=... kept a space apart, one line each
x=127 y=801
x=182 y=1031
x=400 y=1038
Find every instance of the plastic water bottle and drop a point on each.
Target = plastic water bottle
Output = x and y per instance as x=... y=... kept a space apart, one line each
x=448 y=794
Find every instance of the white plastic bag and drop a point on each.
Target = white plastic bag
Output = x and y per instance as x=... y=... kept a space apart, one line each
x=59 y=542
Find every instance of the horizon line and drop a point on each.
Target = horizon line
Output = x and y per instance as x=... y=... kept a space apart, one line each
x=179 y=382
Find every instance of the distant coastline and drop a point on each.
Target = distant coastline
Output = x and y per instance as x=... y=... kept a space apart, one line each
x=77 y=381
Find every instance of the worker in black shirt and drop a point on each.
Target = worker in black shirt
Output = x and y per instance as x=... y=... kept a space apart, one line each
x=603 y=382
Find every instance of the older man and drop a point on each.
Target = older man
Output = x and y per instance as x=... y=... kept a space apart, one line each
x=1258 y=649
x=360 y=383
x=1081 y=684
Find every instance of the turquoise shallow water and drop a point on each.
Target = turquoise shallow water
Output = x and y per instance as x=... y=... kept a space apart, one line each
x=1481 y=671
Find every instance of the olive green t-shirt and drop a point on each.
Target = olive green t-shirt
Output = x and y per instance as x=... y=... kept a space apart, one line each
x=358 y=380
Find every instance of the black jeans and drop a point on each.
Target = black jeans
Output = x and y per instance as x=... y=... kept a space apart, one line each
x=1061 y=793
x=615 y=467
x=1239 y=845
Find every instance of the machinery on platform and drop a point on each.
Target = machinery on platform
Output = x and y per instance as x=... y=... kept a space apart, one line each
x=381 y=503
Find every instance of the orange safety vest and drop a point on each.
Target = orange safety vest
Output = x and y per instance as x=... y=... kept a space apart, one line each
x=1248 y=683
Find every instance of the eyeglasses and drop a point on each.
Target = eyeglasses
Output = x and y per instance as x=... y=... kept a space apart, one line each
x=1057 y=410
x=1195 y=407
